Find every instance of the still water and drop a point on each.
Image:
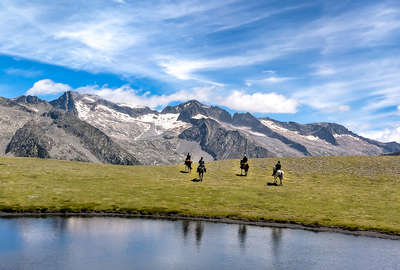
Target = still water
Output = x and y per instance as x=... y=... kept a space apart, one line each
x=133 y=243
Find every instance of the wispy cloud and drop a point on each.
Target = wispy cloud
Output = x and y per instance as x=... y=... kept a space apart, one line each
x=28 y=73
x=329 y=58
x=268 y=80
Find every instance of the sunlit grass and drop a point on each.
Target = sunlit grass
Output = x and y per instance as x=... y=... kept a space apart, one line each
x=350 y=192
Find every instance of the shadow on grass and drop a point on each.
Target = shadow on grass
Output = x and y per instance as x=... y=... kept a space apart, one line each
x=184 y=172
x=240 y=174
x=272 y=184
x=195 y=180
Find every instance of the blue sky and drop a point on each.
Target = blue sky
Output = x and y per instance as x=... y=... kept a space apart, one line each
x=305 y=61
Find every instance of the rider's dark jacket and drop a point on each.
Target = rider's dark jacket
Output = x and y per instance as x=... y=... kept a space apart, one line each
x=244 y=160
x=188 y=157
x=278 y=166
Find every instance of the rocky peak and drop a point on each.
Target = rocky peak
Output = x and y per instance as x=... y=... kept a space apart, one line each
x=245 y=119
x=66 y=102
x=192 y=108
x=33 y=100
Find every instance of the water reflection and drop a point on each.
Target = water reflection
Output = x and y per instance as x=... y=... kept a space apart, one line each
x=242 y=236
x=185 y=228
x=120 y=243
x=276 y=236
x=199 y=232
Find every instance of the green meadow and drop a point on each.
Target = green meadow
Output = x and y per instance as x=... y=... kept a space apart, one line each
x=360 y=193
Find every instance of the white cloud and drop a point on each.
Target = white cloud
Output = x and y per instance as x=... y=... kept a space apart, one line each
x=47 y=86
x=259 y=102
x=398 y=108
x=28 y=73
x=385 y=135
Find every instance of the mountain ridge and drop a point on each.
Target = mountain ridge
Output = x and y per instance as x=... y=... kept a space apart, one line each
x=145 y=136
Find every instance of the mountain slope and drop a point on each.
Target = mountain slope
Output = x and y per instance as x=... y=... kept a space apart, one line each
x=40 y=130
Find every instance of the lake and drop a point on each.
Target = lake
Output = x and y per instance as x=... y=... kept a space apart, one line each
x=136 y=243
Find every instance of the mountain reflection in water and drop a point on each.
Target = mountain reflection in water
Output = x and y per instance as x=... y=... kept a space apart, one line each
x=133 y=243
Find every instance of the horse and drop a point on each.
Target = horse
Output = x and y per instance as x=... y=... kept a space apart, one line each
x=188 y=165
x=244 y=166
x=201 y=170
x=278 y=174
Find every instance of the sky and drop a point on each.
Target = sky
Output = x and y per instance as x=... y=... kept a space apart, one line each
x=303 y=61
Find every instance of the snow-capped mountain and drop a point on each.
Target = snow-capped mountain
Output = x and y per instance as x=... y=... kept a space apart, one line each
x=86 y=127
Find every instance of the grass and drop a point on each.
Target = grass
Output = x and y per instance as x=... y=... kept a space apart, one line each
x=360 y=193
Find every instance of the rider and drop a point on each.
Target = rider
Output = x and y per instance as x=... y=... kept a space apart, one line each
x=277 y=167
x=201 y=162
x=188 y=157
x=244 y=160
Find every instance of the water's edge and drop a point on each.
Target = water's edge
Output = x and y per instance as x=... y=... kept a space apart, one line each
x=273 y=224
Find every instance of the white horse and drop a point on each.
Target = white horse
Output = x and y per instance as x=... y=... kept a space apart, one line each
x=279 y=174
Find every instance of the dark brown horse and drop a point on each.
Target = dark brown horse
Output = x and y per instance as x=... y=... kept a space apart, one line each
x=188 y=165
x=244 y=166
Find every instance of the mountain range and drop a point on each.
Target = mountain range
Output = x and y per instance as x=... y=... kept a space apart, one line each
x=85 y=127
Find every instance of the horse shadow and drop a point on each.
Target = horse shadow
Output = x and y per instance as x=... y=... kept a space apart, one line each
x=195 y=180
x=272 y=184
x=184 y=172
x=238 y=174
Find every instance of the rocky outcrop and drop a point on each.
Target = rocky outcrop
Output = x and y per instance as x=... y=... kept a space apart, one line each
x=30 y=141
x=221 y=143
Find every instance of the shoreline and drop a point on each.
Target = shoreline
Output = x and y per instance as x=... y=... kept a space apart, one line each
x=270 y=223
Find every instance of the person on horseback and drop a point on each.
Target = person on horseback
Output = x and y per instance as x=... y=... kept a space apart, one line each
x=243 y=165
x=201 y=164
x=188 y=162
x=277 y=167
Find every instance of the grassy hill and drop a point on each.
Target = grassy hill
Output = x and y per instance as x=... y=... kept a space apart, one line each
x=350 y=192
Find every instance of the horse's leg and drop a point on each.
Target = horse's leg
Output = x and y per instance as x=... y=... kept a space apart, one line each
x=280 y=179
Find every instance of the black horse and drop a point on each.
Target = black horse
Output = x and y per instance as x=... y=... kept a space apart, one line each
x=201 y=170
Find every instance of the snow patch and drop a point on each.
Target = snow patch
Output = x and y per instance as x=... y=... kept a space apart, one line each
x=131 y=106
x=200 y=116
x=82 y=109
x=346 y=136
x=285 y=131
x=274 y=126
x=311 y=138
x=88 y=99
x=165 y=121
